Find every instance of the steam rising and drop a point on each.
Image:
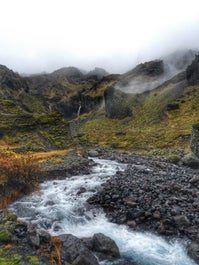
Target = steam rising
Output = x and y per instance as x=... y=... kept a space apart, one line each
x=173 y=64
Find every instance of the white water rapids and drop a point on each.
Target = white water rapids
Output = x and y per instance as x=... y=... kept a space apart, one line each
x=60 y=207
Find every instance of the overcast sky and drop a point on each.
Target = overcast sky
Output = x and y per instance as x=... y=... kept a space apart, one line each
x=44 y=35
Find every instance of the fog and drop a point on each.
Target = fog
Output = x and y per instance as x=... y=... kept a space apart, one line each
x=37 y=36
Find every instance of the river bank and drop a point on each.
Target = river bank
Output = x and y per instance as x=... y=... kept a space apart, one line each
x=19 y=242
x=150 y=195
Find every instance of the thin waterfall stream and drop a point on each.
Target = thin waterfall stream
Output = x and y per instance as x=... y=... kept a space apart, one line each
x=61 y=207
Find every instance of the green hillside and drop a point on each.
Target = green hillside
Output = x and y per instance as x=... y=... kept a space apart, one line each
x=68 y=107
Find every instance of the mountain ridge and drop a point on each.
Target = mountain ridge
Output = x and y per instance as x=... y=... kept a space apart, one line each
x=38 y=112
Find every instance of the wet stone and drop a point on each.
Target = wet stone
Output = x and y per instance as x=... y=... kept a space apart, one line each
x=181 y=221
x=149 y=197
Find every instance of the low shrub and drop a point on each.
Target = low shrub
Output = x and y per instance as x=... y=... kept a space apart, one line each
x=17 y=168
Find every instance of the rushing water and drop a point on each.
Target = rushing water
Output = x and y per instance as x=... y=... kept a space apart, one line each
x=60 y=207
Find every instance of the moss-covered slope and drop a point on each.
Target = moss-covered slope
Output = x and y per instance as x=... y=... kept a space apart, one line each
x=35 y=111
x=65 y=108
x=161 y=120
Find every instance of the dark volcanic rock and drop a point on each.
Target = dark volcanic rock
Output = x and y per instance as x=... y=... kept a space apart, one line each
x=152 y=195
x=10 y=79
x=74 y=251
x=97 y=73
x=192 y=72
x=193 y=251
x=151 y=68
x=23 y=242
x=80 y=251
x=105 y=247
x=116 y=104
x=73 y=74
x=195 y=140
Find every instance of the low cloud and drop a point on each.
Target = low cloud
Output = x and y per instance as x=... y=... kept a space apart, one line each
x=115 y=35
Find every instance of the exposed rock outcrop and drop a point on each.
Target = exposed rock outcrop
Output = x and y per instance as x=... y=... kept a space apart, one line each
x=25 y=241
x=10 y=79
x=192 y=72
x=117 y=104
x=73 y=74
x=82 y=251
x=97 y=73
x=75 y=252
x=195 y=139
x=151 y=68
x=144 y=77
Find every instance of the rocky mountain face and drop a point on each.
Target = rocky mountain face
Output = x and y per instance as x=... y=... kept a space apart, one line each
x=9 y=79
x=145 y=76
x=192 y=72
x=35 y=110
x=149 y=75
x=179 y=60
x=129 y=111
x=97 y=73
x=67 y=89
x=116 y=104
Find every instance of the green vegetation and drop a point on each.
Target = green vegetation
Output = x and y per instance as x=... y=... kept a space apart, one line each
x=13 y=260
x=196 y=126
x=36 y=132
x=39 y=113
x=152 y=127
x=10 y=252
x=33 y=260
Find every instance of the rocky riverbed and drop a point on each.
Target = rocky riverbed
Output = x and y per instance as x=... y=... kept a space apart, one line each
x=21 y=243
x=150 y=195
x=153 y=195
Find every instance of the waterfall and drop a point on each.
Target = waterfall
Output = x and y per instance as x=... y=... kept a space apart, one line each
x=78 y=111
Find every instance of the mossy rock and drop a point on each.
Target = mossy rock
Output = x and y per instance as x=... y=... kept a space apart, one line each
x=33 y=260
x=7 y=228
x=191 y=160
x=93 y=153
x=15 y=260
x=196 y=126
x=10 y=217
x=5 y=236
x=174 y=158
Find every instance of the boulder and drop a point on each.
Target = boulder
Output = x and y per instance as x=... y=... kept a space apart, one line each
x=74 y=251
x=34 y=239
x=181 y=221
x=105 y=247
x=86 y=258
x=93 y=153
x=193 y=251
x=194 y=144
x=190 y=159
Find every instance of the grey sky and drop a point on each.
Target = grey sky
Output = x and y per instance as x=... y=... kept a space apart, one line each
x=43 y=35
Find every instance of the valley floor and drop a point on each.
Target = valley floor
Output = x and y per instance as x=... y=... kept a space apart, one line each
x=150 y=195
